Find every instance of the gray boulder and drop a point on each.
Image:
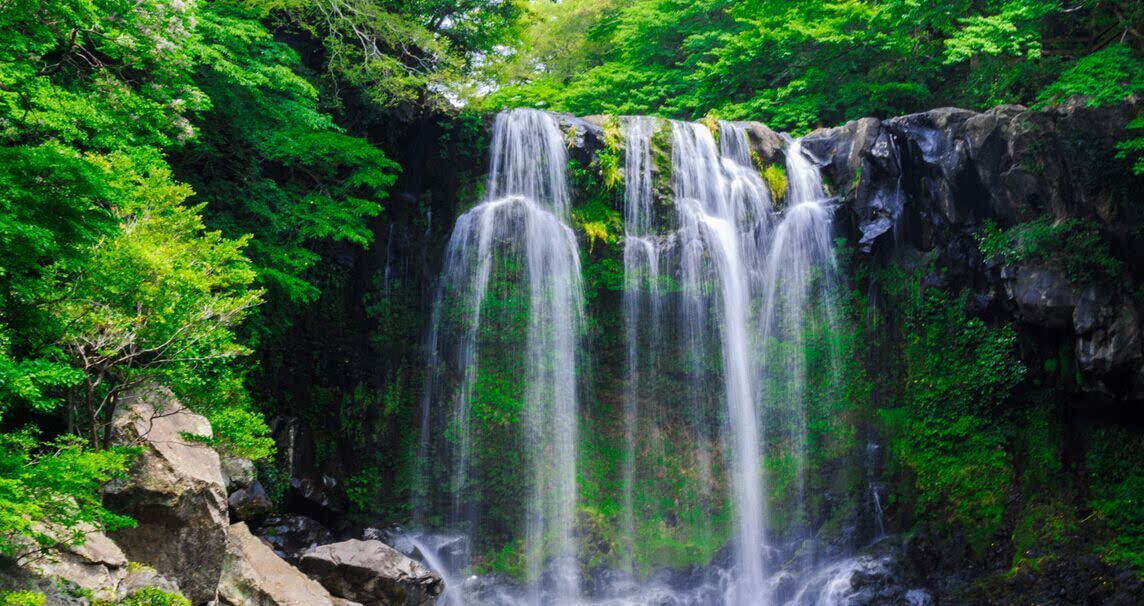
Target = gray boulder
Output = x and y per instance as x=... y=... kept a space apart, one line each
x=372 y=573
x=238 y=473
x=98 y=565
x=174 y=491
x=252 y=575
x=249 y=503
x=1108 y=333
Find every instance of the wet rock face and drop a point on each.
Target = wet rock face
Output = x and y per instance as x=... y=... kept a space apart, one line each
x=175 y=492
x=1044 y=296
x=926 y=183
x=372 y=573
x=948 y=169
x=1108 y=331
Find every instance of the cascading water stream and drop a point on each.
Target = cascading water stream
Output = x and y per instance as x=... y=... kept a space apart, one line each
x=524 y=217
x=711 y=211
x=747 y=283
x=798 y=281
x=641 y=277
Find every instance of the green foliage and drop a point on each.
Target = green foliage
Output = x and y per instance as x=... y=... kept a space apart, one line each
x=238 y=432
x=599 y=223
x=271 y=164
x=1114 y=465
x=364 y=491
x=1133 y=147
x=401 y=52
x=796 y=65
x=153 y=596
x=22 y=598
x=50 y=491
x=776 y=179
x=959 y=373
x=156 y=302
x=1104 y=77
x=1073 y=245
x=509 y=560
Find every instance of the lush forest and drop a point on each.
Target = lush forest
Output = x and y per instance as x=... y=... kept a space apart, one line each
x=210 y=195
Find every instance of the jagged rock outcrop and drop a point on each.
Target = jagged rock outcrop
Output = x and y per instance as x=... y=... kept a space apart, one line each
x=372 y=573
x=252 y=575
x=247 y=499
x=175 y=492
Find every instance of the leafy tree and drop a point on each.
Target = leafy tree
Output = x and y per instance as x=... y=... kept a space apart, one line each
x=271 y=164
x=797 y=65
x=49 y=491
x=157 y=301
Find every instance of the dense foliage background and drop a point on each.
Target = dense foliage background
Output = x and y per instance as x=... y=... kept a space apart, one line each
x=798 y=65
x=201 y=194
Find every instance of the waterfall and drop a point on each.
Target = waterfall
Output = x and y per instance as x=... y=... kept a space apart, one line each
x=713 y=208
x=798 y=282
x=738 y=290
x=522 y=220
x=641 y=277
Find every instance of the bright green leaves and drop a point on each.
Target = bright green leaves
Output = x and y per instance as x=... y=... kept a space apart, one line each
x=85 y=79
x=1133 y=148
x=1104 y=77
x=384 y=53
x=798 y=65
x=271 y=164
x=49 y=492
x=1012 y=30
x=157 y=300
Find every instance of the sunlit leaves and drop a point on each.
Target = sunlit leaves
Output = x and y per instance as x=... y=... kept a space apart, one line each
x=49 y=492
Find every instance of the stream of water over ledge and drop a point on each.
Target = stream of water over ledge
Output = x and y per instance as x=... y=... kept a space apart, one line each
x=729 y=290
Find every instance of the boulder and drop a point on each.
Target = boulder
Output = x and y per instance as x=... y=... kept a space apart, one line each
x=252 y=575
x=372 y=573
x=140 y=576
x=394 y=536
x=290 y=536
x=238 y=473
x=98 y=565
x=765 y=142
x=174 y=491
x=250 y=503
